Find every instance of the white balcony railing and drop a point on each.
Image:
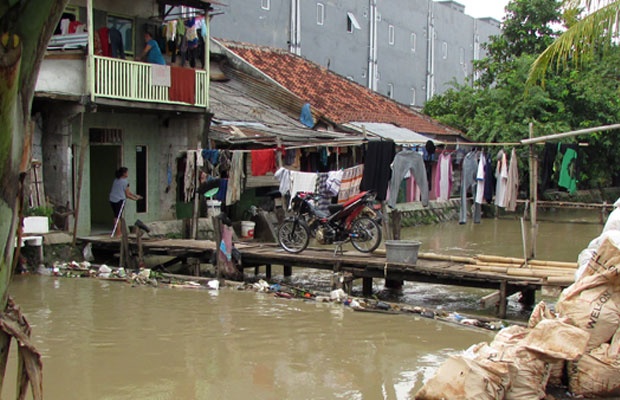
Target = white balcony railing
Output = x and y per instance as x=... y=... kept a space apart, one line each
x=129 y=80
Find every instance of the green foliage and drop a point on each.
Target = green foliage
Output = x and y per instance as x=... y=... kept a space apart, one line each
x=40 y=211
x=500 y=107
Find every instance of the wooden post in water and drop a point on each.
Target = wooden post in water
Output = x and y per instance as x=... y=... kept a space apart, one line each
x=533 y=195
x=367 y=286
x=196 y=208
x=83 y=146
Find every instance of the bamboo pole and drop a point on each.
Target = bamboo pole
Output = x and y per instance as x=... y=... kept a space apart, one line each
x=570 y=134
x=533 y=196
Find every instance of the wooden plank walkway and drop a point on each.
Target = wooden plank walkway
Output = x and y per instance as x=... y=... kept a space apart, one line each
x=506 y=275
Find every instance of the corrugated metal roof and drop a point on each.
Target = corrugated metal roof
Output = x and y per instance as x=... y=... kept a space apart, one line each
x=393 y=132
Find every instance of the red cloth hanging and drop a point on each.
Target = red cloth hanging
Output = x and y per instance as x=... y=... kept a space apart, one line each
x=263 y=161
x=182 y=85
x=105 y=41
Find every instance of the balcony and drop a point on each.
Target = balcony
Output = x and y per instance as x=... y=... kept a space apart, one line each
x=64 y=75
x=137 y=81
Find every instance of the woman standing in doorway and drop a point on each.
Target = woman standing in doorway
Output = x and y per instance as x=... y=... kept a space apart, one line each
x=118 y=195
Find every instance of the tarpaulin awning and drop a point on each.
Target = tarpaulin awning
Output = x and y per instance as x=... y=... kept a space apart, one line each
x=392 y=132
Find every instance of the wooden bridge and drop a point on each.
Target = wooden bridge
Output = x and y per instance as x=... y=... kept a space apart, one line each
x=505 y=275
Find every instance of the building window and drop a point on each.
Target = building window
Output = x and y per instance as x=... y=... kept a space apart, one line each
x=320 y=13
x=141 y=177
x=462 y=56
x=352 y=23
x=412 y=103
x=125 y=26
x=390 y=90
x=413 y=40
x=391 y=34
x=265 y=4
x=444 y=50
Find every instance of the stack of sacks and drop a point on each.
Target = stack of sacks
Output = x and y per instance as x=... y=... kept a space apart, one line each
x=515 y=366
x=593 y=304
x=611 y=230
x=584 y=336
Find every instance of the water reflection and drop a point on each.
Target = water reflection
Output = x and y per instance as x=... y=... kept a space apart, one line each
x=108 y=340
x=559 y=237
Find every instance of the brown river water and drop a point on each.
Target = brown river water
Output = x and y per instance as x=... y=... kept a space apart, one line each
x=109 y=340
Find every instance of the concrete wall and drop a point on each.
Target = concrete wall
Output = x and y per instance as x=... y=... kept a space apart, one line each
x=161 y=136
x=62 y=76
x=402 y=72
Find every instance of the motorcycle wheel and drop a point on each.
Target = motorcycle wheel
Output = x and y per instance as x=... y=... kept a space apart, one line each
x=293 y=235
x=365 y=234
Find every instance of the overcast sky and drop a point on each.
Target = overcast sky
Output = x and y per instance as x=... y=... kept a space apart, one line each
x=484 y=8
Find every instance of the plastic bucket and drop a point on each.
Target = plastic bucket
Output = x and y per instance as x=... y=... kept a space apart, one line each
x=214 y=207
x=247 y=229
x=402 y=251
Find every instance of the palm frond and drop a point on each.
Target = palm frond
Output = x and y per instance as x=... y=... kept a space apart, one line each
x=578 y=41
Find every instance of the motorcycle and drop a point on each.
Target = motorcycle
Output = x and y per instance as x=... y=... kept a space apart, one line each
x=356 y=221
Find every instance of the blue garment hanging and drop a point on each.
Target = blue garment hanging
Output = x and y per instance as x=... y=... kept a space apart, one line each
x=306 y=116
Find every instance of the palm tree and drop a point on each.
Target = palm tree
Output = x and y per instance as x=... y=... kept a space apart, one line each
x=600 y=25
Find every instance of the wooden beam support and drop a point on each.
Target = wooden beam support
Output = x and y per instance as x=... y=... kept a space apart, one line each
x=503 y=300
x=367 y=286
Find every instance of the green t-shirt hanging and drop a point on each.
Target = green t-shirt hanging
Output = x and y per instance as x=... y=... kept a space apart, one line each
x=568 y=178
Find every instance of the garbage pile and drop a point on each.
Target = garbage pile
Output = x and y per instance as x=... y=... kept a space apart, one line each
x=579 y=343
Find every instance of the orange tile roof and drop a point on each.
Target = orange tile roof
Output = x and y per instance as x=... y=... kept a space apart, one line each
x=338 y=98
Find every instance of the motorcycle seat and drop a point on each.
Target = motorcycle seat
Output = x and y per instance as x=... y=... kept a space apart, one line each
x=334 y=208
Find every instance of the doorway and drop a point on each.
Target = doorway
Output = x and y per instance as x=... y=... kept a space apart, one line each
x=104 y=161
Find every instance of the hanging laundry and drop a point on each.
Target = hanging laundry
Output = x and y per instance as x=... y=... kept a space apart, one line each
x=568 y=171
x=117 y=49
x=283 y=175
x=104 y=38
x=211 y=156
x=221 y=193
x=501 y=174
x=302 y=182
x=408 y=160
x=489 y=180
x=512 y=185
x=334 y=181
x=412 y=190
x=323 y=191
x=306 y=116
x=379 y=156
x=443 y=177
x=480 y=178
x=468 y=183
x=263 y=161
x=350 y=184
x=235 y=178
x=546 y=166
x=189 y=178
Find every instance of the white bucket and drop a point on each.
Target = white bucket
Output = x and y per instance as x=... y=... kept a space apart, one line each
x=247 y=229
x=214 y=208
x=402 y=251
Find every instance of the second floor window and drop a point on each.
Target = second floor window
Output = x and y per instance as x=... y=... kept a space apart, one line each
x=352 y=23
x=413 y=42
x=390 y=90
x=265 y=4
x=320 y=13
x=412 y=103
x=391 y=34
x=444 y=50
